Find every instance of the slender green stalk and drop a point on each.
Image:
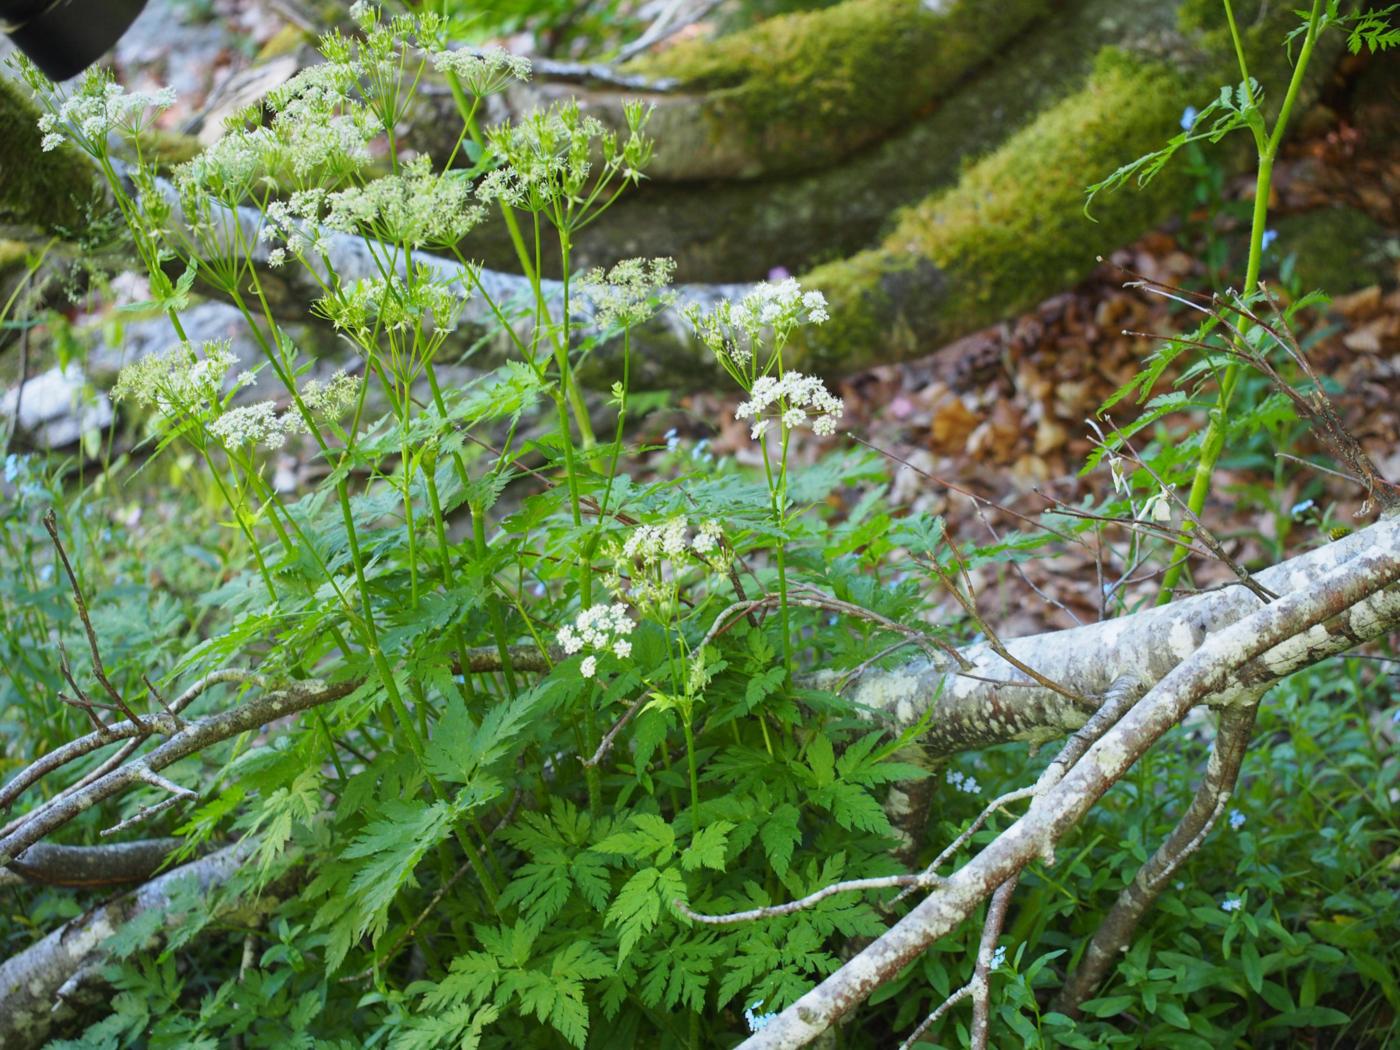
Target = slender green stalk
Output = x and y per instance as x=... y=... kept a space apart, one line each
x=1217 y=427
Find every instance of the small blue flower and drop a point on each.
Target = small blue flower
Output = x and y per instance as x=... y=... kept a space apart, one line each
x=1269 y=237
x=1188 y=117
x=757 y=1021
x=672 y=440
x=1231 y=904
x=998 y=956
x=1237 y=820
x=1301 y=507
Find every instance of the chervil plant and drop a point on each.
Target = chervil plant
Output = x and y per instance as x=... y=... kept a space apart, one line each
x=494 y=735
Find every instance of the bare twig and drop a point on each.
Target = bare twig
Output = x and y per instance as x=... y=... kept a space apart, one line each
x=1207 y=536
x=182 y=741
x=143 y=814
x=605 y=745
x=51 y=526
x=663 y=27
x=923 y=880
x=810 y=598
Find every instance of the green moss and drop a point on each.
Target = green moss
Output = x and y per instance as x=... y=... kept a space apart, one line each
x=51 y=192
x=1338 y=249
x=14 y=255
x=804 y=87
x=1013 y=230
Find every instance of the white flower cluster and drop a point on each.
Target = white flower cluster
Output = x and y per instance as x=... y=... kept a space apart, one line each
x=185 y=379
x=256 y=424
x=320 y=125
x=332 y=397
x=646 y=564
x=794 y=400
x=417 y=207
x=966 y=784
x=98 y=107
x=602 y=628
x=481 y=72
x=295 y=222
x=629 y=293
x=736 y=332
x=320 y=129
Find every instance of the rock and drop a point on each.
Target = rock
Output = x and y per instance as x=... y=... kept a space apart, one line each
x=57 y=407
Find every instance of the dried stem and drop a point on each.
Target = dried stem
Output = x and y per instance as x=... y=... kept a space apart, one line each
x=606 y=744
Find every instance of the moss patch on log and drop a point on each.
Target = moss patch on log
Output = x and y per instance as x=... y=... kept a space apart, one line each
x=50 y=192
x=1013 y=230
x=803 y=88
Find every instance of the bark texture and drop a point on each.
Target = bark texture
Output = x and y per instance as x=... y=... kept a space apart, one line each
x=42 y=985
x=1300 y=619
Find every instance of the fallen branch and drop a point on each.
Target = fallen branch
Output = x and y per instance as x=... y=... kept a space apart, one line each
x=86 y=866
x=1116 y=930
x=39 y=984
x=1210 y=673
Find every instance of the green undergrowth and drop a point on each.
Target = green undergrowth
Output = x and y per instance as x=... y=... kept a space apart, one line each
x=1308 y=847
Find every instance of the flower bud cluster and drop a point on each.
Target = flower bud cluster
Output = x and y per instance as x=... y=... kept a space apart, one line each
x=183 y=380
x=631 y=292
x=332 y=397
x=547 y=158
x=603 y=629
x=647 y=564
x=393 y=304
x=738 y=332
x=417 y=207
x=481 y=72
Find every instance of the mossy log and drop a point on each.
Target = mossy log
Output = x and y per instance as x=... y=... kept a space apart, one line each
x=806 y=90
x=53 y=193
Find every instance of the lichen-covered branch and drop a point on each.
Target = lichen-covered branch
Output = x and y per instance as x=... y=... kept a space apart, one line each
x=181 y=740
x=37 y=984
x=1301 y=616
x=969 y=713
x=1116 y=930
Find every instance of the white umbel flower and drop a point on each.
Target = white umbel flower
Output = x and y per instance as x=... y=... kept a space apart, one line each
x=795 y=400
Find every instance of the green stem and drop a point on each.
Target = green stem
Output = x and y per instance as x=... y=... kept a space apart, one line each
x=1213 y=442
x=694 y=776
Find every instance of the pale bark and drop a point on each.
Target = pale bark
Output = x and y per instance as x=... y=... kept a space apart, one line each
x=969 y=714
x=37 y=985
x=1270 y=639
